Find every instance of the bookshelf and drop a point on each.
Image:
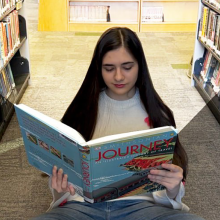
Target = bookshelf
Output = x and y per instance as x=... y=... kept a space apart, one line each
x=95 y=15
x=174 y=12
x=17 y=61
x=202 y=44
x=123 y=13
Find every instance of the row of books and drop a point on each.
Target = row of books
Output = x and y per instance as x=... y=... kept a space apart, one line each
x=7 y=84
x=152 y=14
x=211 y=71
x=88 y=12
x=209 y=28
x=98 y=13
x=9 y=36
x=5 y=5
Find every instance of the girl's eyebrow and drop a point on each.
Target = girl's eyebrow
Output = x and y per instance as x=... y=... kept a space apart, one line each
x=107 y=64
x=130 y=62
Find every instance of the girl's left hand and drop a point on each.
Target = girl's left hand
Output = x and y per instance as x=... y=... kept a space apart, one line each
x=170 y=178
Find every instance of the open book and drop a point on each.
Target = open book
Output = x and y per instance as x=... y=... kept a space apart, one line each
x=101 y=169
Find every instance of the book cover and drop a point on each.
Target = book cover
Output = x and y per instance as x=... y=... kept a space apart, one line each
x=101 y=169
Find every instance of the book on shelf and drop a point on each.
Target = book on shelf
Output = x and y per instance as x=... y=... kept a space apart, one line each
x=152 y=14
x=210 y=69
x=216 y=37
x=101 y=169
x=7 y=83
x=211 y=28
x=83 y=13
x=215 y=79
x=9 y=36
x=206 y=63
x=5 y=5
x=204 y=21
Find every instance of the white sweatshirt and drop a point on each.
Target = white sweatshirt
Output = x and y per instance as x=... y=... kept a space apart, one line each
x=116 y=117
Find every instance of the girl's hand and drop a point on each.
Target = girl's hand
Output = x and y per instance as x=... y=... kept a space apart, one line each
x=170 y=178
x=59 y=182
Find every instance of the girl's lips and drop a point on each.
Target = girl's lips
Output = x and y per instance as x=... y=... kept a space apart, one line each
x=119 y=85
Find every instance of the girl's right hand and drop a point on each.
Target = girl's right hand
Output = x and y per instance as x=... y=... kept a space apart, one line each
x=59 y=182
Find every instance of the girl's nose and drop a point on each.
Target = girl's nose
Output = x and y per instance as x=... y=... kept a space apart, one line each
x=119 y=75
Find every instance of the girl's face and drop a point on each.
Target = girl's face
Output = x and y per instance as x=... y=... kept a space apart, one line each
x=120 y=73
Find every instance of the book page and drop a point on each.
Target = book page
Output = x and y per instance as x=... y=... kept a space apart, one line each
x=124 y=136
x=68 y=131
x=46 y=146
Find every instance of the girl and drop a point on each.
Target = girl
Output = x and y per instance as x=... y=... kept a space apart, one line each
x=117 y=96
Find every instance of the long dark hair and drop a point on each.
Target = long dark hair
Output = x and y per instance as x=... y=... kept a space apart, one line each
x=82 y=112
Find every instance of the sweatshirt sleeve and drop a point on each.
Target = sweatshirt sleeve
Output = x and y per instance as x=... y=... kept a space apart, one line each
x=161 y=197
x=59 y=198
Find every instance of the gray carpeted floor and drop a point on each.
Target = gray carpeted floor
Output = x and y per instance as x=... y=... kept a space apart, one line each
x=201 y=139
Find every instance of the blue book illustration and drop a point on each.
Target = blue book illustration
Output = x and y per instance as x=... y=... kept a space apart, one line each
x=101 y=169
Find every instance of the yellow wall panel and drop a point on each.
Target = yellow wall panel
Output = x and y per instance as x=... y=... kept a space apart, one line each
x=163 y=27
x=52 y=15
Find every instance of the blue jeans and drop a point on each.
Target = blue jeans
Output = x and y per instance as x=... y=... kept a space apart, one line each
x=116 y=210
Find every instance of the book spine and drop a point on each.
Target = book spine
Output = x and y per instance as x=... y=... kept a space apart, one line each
x=201 y=21
x=216 y=71
x=217 y=32
x=209 y=26
x=205 y=22
x=210 y=70
x=206 y=64
x=213 y=29
x=85 y=154
x=217 y=81
x=10 y=75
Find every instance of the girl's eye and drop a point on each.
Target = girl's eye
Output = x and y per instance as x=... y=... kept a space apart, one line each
x=127 y=68
x=109 y=70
